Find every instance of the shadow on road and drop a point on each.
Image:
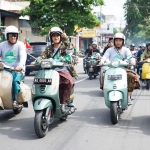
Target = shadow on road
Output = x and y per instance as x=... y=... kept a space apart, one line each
x=21 y=129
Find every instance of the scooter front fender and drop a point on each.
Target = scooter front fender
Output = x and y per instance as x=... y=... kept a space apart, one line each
x=91 y=70
x=42 y=103
x=115 y=96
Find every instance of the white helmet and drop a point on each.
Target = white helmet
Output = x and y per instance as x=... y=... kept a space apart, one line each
x=119 y=36
x=55 y=30
x=10 y=29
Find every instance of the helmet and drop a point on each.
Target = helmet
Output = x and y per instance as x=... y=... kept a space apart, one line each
x=143 y=45
x=11 y=29
x=119 y=36
x=132 y=45
x=54 y=30
x=94 y=45
x=147 y=44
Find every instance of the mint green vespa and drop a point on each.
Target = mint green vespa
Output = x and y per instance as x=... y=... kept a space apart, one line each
x=45 y=97
x=115 y=88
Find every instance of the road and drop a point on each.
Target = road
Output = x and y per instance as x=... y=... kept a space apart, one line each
x=89 y=128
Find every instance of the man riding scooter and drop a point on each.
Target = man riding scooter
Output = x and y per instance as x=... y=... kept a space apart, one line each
x=146 y=54
x=57 y=50
x=96 y=51
x=121 y=52
x=13 y=54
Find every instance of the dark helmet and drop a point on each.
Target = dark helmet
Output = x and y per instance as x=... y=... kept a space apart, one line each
x=132 y=45
x=54 y=30
x=147 y=44
x=110 y=40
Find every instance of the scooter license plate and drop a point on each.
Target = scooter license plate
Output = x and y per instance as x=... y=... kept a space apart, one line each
x=115 y=77
x=46 y=81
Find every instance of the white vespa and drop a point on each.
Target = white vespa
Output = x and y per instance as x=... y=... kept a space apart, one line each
x=6 y=92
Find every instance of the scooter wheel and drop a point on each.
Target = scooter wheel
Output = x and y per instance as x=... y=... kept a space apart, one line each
x=147 y=85
x=114 y=114
x=63 y=118
x=40 y=124
x=90 y=75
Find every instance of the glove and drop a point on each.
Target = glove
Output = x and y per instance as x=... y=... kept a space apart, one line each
x=37 y=64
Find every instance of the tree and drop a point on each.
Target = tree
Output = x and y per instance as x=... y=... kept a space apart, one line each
x=137 y=14
x=45 y=14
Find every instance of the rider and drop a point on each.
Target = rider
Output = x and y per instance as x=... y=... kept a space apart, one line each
x=94 y=49
x=60 y=43
x=110 y=44
x=13 y=54
x=132 y=47
x=139 y=54
x=121 y=52
x=146 y=54
x=88 y=49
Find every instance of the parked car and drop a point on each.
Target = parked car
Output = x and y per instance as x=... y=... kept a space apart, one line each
x=37 y=49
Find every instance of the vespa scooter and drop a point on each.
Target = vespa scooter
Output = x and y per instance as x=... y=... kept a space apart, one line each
x=145 y=72
x=92 y=66
x=6 y=91
x=115 y=88
x=45 y=97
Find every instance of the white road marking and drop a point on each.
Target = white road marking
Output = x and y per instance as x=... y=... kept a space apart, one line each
x=81 y=80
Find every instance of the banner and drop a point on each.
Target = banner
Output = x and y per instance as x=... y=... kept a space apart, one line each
x=88 y=33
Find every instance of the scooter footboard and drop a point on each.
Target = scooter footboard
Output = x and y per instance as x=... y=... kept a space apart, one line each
x=42 y=103
x=115 y=96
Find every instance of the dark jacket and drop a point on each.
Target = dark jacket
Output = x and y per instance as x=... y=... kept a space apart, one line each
x=139 y=53
x=105 y=50
x=92 y=51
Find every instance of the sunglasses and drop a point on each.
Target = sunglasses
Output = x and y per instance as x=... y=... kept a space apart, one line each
x=13 y=35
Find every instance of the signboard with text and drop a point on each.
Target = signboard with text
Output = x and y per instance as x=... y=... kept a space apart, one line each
x=106 y=28
x=88 y=33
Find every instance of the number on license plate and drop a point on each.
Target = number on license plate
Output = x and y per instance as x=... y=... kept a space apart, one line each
x=42 y=81
x=115 y=77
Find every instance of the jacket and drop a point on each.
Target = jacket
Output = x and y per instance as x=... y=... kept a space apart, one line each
x=48 y=53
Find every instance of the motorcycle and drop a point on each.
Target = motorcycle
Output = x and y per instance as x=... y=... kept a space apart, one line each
x=45 y=97
x=6 y=91
x=115 y=88
x=145 y=72
x=84 y=65
x=92 y=63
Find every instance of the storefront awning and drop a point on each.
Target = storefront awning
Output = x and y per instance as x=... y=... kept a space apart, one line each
x=5 y=13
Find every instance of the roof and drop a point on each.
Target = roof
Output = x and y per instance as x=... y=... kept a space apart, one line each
x=5 y=13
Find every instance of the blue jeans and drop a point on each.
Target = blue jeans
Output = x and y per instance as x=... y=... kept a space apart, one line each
x=17 y=78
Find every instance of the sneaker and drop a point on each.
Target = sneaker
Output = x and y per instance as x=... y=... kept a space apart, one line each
x=15 y=104
x=101 y=87
x=63 y=109
x=129 y=101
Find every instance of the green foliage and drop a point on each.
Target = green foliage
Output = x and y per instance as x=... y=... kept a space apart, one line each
x=137 y=14
x=45 y=14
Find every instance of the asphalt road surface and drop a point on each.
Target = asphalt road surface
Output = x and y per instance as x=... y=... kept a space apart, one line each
x=89 y=128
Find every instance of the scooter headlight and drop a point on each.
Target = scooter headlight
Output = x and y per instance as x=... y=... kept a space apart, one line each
x=115 y=63
x=46 y=64
x=33 y=89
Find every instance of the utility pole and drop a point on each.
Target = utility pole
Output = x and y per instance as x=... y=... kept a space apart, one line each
x=101 y=38
x=120 y=24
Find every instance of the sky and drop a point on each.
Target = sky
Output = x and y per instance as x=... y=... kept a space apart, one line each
x=114 y=7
